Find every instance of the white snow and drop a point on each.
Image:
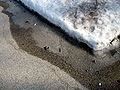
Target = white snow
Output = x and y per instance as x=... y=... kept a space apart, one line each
x=97 y=27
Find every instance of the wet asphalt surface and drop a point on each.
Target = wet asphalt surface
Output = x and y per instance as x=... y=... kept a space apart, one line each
x=40 y=38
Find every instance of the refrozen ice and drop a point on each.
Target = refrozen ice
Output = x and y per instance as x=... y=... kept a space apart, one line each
x=96 y=24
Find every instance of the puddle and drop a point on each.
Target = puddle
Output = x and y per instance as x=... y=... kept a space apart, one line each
x=96 y=73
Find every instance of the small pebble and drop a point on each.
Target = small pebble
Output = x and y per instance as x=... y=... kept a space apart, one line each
x=59 y=49
x=100 y=84
x=46 y=48
x=27 y=21
x=86 y=70
x=93 y=61
x=118 y=37
x=118 y=81
x=85 y=27
x=35 y=24
x=92 y=28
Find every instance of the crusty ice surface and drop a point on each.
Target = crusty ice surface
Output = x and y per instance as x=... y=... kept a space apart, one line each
x=97 y=25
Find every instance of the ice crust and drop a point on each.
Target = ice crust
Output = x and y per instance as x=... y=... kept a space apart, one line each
x=97 y=25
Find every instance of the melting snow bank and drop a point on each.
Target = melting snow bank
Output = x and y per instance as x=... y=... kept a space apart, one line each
x=95 y=23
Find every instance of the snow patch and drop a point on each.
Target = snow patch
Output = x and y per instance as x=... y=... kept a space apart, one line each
x=97 y=25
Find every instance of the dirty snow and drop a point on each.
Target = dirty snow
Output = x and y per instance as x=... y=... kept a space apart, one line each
x=96 y=24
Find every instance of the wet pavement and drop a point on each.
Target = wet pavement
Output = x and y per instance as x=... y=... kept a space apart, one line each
x=40 y=38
